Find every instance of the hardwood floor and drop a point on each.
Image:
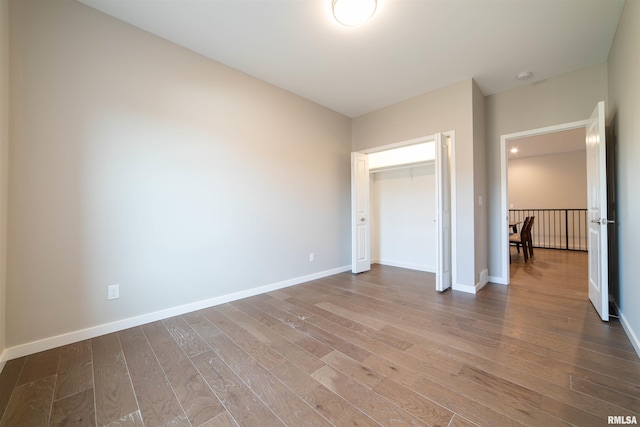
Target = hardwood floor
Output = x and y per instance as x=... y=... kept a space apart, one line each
x=379 y=348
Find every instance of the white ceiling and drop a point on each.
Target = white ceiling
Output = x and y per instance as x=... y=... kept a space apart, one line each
x=550 y=143
x=408 y=48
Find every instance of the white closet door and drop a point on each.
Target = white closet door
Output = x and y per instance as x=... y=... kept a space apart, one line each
x=443 y=212
x=360 y=215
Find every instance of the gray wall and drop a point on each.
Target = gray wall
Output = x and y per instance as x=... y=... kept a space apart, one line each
x=446 y=109
x=480 y=184
x=4 y=143
x=563 y=99
x=137 y=162
x=624 y=109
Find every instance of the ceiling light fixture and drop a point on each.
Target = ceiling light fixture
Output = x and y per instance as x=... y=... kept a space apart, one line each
x=514 y=150
x=353 y=12
x=524 y=75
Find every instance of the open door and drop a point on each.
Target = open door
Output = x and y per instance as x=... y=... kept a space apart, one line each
x=360 y=228
x=443 y=214
x=597 y=212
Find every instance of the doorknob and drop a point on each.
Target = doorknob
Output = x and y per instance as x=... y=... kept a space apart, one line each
x=603 y=221
x=363 y=219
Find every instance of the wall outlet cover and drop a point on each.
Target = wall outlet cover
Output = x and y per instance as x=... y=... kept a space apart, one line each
x=113 y=292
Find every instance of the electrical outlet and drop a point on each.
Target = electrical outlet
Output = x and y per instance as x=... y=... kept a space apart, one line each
x=113 y=292
x=312 y=257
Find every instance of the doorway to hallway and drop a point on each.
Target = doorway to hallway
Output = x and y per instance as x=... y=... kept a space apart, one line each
x=598 y=197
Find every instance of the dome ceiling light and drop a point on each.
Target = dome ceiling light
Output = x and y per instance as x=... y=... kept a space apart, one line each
x=353 y=12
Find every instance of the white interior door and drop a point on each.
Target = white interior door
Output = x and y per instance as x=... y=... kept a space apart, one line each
x=597 y=212
x=360 y=206
x=443 y=212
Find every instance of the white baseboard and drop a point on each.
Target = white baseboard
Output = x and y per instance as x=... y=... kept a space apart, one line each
x=96 y=331
x=470 y=289
x=480 y=285
x=473 y=289
x=484 y=279
x=3 y=359
x=498 y=280
x=633 y=337
x=410 y=266
x=456 y=287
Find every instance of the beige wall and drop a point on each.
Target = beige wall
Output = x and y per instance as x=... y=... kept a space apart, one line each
x=566 y=98
x=552 y=181
x=624 y=109
x=446 y=109
x=480 y=184
x=139 y=163
x=4 y=142
x=152 y=167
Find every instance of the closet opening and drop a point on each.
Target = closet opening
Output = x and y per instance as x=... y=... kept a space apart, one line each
x=402 y=207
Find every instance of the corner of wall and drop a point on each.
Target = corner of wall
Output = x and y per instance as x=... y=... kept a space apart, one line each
x=631 y=333
x=481 y=224
x=465 y=288
x=4 y=141
x=623 y=66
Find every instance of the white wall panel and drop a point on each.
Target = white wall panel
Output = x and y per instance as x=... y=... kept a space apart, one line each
x=403 y=209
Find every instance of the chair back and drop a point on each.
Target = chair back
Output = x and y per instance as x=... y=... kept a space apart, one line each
x=529 y=225
x=525 y=228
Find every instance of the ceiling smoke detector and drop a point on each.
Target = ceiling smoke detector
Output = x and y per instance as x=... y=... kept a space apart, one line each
x=524 y=75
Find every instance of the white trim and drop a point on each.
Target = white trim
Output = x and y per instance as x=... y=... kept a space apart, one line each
x=469 y=288
x=401 y=166
x=3 y=359
x=465 y=288
x=496 y=280
x=633 y=337
x=414 y=141
x=407 y=265
x=484 y=279
x=454 y=211
x=95 y=331
x=504 y=277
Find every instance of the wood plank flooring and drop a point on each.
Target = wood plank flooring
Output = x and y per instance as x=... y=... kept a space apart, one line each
x=381 y=348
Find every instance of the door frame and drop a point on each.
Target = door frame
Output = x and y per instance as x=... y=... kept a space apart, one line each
x=505 y=275
x=452 y=171
x=444 y=261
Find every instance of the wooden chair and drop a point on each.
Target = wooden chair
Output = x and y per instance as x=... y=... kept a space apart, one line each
x=521 y=239
x=529 y=238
